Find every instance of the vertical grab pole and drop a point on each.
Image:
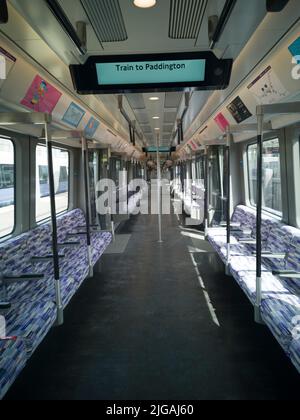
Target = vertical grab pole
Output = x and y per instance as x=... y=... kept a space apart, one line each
x=228 y=215
x=58 y=298
x=159 y=191
x=260 y=120
x=86 y=176
x=206 y=201
x=112 y=223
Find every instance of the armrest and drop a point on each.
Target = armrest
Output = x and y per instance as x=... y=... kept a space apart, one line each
x=72 y=234
x=270 y=255
x=22 y=278
x=4 y=306
x=287 y=274
x=232 y=224
x=84 y=227
x=247 y=241
x=46 y=258
x=69 y=244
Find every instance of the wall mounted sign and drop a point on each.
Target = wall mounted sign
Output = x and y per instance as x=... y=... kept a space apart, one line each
x=267 y=88
x=152 y=73
x=73 y=115
x=92 y=127
x=41 y=96
x=222 y=122
x=238 y=110
x=7 y=62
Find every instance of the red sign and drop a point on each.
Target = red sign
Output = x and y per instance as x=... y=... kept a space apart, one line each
x=222 y=122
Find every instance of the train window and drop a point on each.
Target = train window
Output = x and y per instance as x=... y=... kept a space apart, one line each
x=272 y=193
x=61 y=161
x=7 y=187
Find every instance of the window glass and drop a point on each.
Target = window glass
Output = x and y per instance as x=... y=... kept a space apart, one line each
x=272 y=193
x=61 y=166
x=7 y=187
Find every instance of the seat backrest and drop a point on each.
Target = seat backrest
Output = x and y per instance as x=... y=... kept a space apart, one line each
x=69 y=222
x=14 y=255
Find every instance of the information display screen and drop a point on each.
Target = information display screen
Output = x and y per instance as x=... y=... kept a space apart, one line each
x=151 y=73
x=144 y=72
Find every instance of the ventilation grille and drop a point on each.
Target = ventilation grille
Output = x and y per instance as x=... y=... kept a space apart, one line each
x=106 y=19
x=186 y=18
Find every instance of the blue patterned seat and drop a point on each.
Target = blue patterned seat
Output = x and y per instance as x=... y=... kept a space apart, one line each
x=278 y=313
x=33 y=310
x=31 y=321
x=280 y=296
x=13 y=359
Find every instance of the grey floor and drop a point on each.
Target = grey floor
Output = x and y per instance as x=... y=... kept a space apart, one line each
x=146 y=329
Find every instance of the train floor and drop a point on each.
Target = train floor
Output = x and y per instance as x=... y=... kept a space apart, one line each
x=161 y=322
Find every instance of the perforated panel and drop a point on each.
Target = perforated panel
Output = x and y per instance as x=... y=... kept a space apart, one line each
x=186 y=18
x=106 y=19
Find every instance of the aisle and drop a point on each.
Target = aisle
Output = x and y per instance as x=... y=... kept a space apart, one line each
x=160 y=322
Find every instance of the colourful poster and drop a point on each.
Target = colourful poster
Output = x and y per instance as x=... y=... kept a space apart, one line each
x=222 y=122
x=295 y=49
x=73 y=115
x=267 y=88
x=41 y=96
x=91 y=127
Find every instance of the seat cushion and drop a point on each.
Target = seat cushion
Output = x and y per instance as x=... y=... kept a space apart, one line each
x=278 y=313
x=244 y=271
x=31 y=321
x=13 y=358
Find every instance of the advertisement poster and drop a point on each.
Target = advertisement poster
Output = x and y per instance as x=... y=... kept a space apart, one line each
x=238 y=110
x=41 y=96
x=222 y=122
x=73 y=115
x=267 y=88
x=91 y=127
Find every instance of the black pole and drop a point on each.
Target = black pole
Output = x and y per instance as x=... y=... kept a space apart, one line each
x=85 y=158
x=228 y=215
x=259 y=217
x=53 y=212
x=206 y=182
x=55 y=251
x=259 y=204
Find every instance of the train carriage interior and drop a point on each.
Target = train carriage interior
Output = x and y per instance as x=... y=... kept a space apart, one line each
x=149 y=201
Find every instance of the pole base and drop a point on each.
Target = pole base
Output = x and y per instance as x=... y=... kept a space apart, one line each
x=59 y=317
x=227 y=271
x=257 y=315
x=91 y=273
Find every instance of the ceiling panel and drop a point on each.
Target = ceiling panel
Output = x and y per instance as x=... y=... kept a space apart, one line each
x=170 y=117
x=173 y=99
x=136 y=101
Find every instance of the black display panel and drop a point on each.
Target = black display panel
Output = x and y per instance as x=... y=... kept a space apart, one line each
x=151 y=73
